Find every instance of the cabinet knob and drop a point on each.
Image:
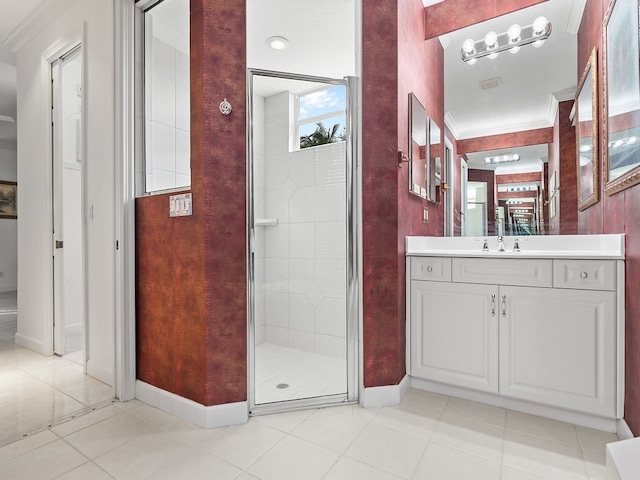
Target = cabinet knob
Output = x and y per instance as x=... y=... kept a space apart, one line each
x=429 y=269
x=584 y=274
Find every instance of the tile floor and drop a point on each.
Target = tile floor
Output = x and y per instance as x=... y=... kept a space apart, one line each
x=38 y=391
x=428 y=436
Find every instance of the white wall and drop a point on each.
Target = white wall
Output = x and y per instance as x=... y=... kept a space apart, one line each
x=8 y=227
x=304 y=258
x=34 y=179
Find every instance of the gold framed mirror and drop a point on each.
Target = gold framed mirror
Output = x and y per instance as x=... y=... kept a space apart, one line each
x=417 y=147
x=621 y=99
x=586 y=115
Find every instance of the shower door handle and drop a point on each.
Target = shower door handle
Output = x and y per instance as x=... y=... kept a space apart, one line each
x=252 y=239
x=59 y=244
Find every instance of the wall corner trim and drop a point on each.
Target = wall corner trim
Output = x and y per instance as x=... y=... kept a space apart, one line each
x=206 y=417
x=386 y=395
x=623 y=431
x=32 y=344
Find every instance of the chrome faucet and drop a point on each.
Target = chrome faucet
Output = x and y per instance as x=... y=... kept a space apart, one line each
x=516 y=246
x=500 y=244
x=485 y=245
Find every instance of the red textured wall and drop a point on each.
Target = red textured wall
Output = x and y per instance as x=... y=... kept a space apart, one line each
x=191 y=271
x=618 y=213
x=453 y=15
x=382 y=319
x=567 y=176
x=506 y=140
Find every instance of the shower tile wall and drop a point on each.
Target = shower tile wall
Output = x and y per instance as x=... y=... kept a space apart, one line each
x=169 y=118
x=300 y=262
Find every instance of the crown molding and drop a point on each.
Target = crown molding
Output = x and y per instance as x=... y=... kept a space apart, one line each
x=521 y=127
x=575 y=16
x=450 y=123
x=38 y=20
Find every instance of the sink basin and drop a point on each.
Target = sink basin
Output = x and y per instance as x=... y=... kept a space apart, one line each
x=541 y=246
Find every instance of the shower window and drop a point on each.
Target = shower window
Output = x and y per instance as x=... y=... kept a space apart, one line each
x=321 y=116
x=167 y=117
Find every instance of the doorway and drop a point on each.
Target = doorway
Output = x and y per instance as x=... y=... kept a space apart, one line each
x=68 y=207
x=302 y=281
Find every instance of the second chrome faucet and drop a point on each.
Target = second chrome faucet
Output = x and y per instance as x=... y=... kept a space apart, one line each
x=516 y=245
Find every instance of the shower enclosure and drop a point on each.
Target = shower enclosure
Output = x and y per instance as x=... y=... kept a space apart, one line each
x=301 y=248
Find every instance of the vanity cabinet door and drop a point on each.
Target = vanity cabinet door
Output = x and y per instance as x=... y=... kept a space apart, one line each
x=454 y=334
x=557 y=347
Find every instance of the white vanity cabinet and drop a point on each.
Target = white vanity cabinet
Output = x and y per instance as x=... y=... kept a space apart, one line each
x=540 y=330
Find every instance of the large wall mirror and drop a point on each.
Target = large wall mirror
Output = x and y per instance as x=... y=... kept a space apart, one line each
x=417 y=147
x=587 y=134
x=621 y=145
x=434 y=165
x=503 y=110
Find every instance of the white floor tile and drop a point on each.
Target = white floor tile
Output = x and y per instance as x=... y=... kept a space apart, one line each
x=542 y=427
x=477 y=411
x=410 y=419
x=388 y=450
x=294 y=459
x=197 y=466
x=349 y=469
x=46 y=462
x=471 y=436
x=512 y=473
x=110 y=434
x=596 y=464
x=594 y=440
x=85 y=421
x=25 y=445
x=142 y=456
x=88 y=471
x=242 y=445
x=285 y=422
x=445 y=463
x=330 y=430
x=432 y=401
x=543 y=457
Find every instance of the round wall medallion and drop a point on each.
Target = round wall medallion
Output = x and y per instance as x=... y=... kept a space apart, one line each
x=225 y=107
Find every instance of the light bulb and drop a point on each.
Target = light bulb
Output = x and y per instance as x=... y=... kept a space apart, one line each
x=468 y=46
x=493 y=55
x=538 y=43
x=539 y=25
x=515 y=49
x=472 y=61
x=491 y=40
x=514 y=33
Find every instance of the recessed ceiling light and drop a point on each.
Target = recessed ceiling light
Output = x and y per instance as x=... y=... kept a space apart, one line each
x=278 y=43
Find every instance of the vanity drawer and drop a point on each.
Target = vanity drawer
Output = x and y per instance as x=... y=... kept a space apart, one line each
x=437 y=269
x=522 y=272
x=585 y=274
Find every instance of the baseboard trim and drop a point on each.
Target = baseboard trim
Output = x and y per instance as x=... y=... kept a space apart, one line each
x=97 y=371
x=385 y=395
x=32 y=344
x=582 y=419
x=206 y=417
x=623 y=431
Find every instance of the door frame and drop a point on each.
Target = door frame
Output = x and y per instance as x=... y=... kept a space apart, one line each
x=57 y=164
x=352 y=296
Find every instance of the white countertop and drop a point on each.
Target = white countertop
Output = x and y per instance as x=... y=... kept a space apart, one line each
x=609 y=246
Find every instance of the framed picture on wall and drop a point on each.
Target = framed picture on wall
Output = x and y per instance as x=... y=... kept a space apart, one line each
x=8 y=199
x=621 y=99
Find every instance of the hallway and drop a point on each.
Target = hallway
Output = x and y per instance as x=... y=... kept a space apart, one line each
x=37 y=391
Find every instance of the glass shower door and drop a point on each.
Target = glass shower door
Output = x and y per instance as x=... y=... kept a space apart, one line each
x=299 y=173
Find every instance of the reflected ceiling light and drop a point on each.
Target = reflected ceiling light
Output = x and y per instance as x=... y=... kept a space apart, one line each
x=278 y=43
x=511 y=40
x=623 y=142
x=510 y=157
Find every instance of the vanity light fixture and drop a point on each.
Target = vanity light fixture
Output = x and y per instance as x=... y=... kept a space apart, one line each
x=512 y=40
x=510 y=157
x=278 y=43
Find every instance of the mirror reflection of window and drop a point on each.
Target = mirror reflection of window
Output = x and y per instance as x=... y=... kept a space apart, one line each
x=167 y=96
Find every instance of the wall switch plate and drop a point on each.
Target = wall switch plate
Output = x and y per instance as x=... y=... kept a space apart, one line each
x=180 y=205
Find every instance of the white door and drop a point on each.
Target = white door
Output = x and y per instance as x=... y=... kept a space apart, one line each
x=448 y=189
x=68 y=237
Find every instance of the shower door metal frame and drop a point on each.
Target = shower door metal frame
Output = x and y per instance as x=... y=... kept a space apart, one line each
x=352 y=250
